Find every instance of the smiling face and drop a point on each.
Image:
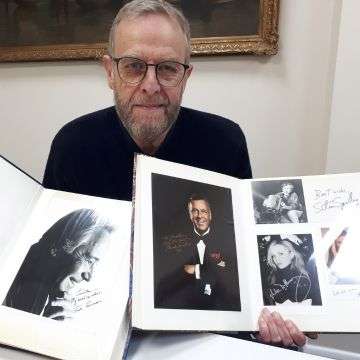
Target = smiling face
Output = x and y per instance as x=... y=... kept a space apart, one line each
x=200 y=215
x=147 y=109
x=287 y=189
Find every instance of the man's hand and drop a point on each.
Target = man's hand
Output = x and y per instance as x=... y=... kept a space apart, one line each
x=273 y=329
x=190 y=269
x=60 y=309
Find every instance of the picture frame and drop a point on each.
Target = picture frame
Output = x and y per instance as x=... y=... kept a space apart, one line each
x=213 y=23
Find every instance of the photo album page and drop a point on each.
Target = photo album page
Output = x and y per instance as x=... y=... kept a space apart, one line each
x=65 y=277
x=210 y=251
x=189 y=266
x=305 y=232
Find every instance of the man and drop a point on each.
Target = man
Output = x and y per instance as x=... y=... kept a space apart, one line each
x=94 y=154
x=215 y=266
x=54 y=267
x=285 y=205
x=147 y=68
x=197 y=269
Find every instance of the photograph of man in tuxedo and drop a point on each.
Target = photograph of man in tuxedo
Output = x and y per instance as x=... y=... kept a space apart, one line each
x=195 y=267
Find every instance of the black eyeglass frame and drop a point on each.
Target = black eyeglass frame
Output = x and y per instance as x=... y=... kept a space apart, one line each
x=117 y=60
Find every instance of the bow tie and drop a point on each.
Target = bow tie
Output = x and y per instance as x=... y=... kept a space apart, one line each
x=202 y=238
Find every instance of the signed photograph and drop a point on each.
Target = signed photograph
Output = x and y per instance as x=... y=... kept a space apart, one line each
x=340 y=260
x=64 y=279
x=59 y=277
x=279 y=202
x=288 y=270
x=195 y=261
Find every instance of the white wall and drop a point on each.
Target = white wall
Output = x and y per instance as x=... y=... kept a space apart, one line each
x=344 y=135
x=281 y=102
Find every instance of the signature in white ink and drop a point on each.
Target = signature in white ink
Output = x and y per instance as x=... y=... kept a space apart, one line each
x=297 y=288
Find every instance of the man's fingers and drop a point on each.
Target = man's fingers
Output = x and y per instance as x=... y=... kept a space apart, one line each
x=298 y=336
x=272 y=327
x=264 y=332
x=283 y=331
x=65 y=304
x=60 y=309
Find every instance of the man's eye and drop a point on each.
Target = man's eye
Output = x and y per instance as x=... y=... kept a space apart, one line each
x=135 y=66
x=168 y=68
x=131 y=66
x=91 y=260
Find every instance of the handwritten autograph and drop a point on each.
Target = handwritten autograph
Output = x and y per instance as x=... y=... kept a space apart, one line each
x=334 y=199
x=348 y=293
x=87 y=298
x=301 y=281
x=176 y=242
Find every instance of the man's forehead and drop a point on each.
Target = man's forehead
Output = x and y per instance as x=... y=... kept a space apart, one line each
x=199 y=203
x=287 y=186
x=150 y=35
x=148 y=54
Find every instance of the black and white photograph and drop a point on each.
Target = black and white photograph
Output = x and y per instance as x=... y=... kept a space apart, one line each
x=64 y=279
x=195 y=259
x=279 y=202
x=55 y=279
x=288 y=269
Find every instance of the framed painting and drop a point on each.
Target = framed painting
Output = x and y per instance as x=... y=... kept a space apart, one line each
x=35 y=30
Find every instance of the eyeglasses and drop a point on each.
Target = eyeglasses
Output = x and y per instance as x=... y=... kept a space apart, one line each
x=133 y=71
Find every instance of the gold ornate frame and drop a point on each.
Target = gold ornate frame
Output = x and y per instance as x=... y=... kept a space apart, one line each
x=263 y=43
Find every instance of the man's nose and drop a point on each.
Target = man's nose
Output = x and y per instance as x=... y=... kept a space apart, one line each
x=86 y=275
x=86 y=272
x=150 y=83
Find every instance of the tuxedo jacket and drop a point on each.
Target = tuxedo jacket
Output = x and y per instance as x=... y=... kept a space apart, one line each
x=216 y=289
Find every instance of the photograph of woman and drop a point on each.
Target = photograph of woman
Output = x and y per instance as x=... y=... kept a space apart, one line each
x=288 y=270
x=54 y=268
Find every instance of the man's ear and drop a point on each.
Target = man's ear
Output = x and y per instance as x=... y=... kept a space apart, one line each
x=189 y=207
x=187 y=74
x=110 y=71
x=189 y=70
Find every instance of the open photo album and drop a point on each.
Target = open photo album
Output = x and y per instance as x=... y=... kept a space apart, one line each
x=210 y=251
x=196 y=251
x=64 y=278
